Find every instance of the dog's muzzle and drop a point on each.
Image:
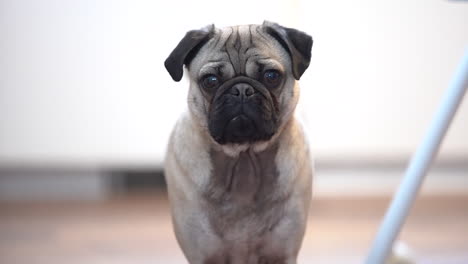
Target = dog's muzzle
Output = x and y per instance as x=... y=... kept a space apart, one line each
x=242 y=111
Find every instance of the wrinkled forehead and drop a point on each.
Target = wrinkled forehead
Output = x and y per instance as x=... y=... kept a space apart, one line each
x=239 y=50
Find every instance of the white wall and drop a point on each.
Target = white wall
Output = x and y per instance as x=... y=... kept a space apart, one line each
x=83 y=82
x=379 y=69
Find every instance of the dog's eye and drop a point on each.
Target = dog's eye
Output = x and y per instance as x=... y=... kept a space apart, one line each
x=210 y=81
x=272 y=78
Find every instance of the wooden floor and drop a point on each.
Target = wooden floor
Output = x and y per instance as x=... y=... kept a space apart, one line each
x=137 y=230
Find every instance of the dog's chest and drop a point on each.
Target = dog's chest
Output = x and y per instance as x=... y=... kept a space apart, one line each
x=242 y=199
x=246 y=178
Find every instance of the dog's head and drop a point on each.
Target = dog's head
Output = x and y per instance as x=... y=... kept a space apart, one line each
x=242 y=79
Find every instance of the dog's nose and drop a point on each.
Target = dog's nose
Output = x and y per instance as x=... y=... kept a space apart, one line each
x=242 y=90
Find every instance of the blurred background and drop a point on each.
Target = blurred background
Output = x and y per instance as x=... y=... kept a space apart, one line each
x=86 y=108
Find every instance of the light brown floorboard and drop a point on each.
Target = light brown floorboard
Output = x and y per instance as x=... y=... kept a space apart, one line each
x=137 y=229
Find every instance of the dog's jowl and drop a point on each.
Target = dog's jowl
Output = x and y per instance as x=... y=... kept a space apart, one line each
x=238 y=166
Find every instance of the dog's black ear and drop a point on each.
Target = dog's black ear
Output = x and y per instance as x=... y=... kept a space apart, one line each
x=297 y=43
x=186 y=51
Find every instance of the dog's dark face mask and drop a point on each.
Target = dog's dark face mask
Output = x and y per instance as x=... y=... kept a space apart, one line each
x=245 y=76
x=243 y=110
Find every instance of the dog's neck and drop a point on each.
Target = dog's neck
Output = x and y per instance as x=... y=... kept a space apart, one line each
x=243 y=176
x=245 y=173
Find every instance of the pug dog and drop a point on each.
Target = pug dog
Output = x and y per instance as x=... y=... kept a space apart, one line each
x=238 y=167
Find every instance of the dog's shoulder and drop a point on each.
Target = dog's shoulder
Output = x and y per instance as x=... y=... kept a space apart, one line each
x=188 y=152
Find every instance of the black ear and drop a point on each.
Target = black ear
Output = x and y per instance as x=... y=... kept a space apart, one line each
x=297 y=43
x=186 y=51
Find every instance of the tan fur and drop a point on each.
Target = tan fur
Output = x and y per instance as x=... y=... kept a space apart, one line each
x=189 y=173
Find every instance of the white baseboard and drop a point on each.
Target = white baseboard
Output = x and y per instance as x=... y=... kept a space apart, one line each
x=385 y=181
x=329 y=181
x=52 y=185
